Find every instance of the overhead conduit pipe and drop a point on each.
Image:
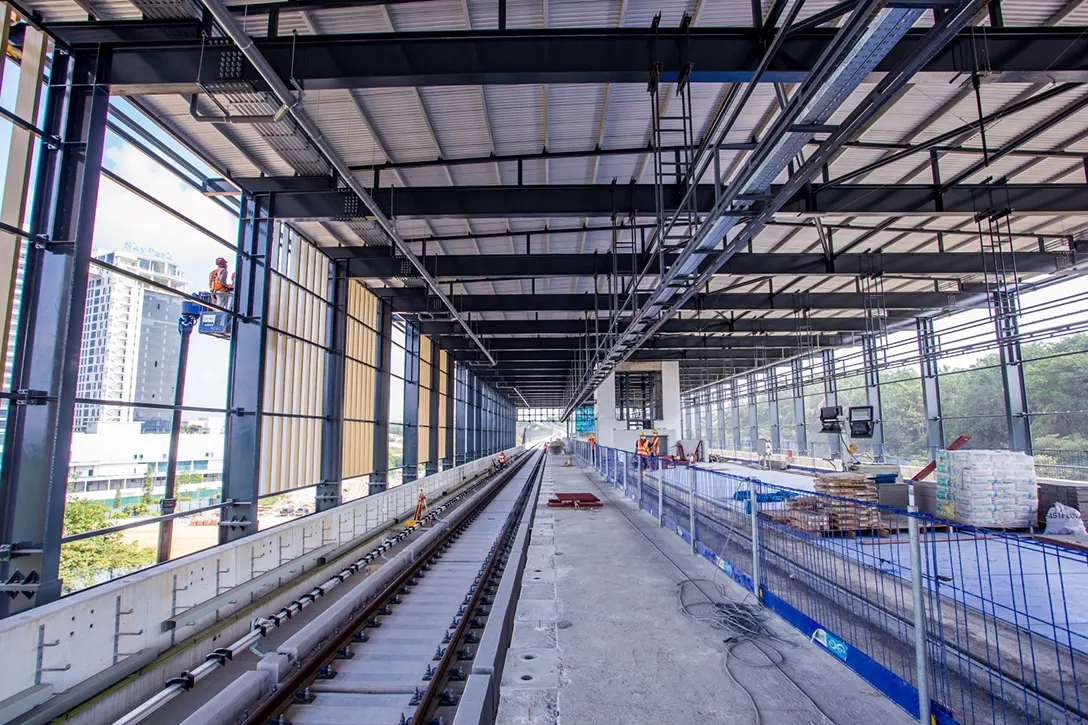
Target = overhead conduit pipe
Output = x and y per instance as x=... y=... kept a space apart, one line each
x=225 y=19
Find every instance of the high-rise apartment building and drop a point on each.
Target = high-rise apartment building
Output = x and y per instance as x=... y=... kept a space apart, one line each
x=130 y=339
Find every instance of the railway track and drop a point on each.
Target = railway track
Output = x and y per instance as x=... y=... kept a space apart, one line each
x=401 y=646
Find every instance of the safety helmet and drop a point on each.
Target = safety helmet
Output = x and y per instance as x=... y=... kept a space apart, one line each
x=220 y=262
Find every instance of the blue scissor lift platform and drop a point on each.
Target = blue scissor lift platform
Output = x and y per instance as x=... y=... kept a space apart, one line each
x=211 y=321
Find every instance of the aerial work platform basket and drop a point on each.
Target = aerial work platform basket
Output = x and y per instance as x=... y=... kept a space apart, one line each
x=211 y=321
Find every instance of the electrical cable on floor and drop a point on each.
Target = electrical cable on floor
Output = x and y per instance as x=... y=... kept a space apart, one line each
x=743 y=621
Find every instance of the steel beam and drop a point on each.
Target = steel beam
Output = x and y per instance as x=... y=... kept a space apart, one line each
x=169 y=58
x=772 y=401
x=245 y=386
x=693 y=343
x=448 y=413
x=412 y=302
x=601 y=200
x=38 y=441
x=719 y=324
x=380 y=262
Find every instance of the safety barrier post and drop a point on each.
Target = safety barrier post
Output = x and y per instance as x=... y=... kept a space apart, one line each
x=660 y=496
x=753 y=501
x=691 y=510
x=920 y=645
x=623 y=468
x=640 y=461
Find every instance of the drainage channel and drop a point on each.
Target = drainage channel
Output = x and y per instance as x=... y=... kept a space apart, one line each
x=404 y=653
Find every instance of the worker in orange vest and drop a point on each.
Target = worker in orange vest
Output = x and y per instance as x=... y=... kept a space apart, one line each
x=642 y=452
x=222 y=291
x=654 y=450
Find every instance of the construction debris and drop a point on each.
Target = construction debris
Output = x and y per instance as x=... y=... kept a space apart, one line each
x=574 y=501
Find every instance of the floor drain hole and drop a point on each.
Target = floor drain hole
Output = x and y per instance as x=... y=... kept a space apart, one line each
x=526 y=677
x=563 y=624
x=528 y=657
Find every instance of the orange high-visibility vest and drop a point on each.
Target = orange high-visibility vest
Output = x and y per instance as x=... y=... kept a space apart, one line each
x=655 y=442
x=217 y=280
x=641 y=448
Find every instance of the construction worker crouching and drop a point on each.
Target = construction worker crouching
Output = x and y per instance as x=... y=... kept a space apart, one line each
x=222 y=291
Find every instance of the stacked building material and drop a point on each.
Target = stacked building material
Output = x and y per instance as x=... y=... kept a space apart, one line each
x=987 y=488
x=1067 y=493
x=806 y=513
x=860 y=511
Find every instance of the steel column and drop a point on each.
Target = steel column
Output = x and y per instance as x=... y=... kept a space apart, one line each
x=329 y=491
x=50 y=330
x=734 y=393
x=720 y=439
x=772 y=401
x=410 y=420
x=753 y=412
x=798 y=389
x=448 y=412
x=831 y=399
x=245 y=387
x=169 y=503
x=871 y=358
x=435 y=373
x=1007 y=323
x=928 y=344
x=379 y=478
x=461 y=414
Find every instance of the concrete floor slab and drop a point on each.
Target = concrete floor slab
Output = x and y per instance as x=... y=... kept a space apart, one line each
x=613 y=644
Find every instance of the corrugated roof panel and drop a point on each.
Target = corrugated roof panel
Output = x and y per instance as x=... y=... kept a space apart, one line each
x=571 y=171
x=517 y=117
x=574 y=116
x=399 y=122
x=1030 y=13
x=519 y=13
x=459 y=120
x=434 y=15
x=582 y=14
x=337 y=113
x=725 y=13
x=345 y=20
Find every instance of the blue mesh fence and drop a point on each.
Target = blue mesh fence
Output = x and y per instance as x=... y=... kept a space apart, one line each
x=1006 y=621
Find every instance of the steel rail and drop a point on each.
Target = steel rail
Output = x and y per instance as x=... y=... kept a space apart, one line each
x=301 y=677
x=428 y=703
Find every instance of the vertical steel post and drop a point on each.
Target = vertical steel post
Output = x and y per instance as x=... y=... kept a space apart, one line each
x=871 y=359
x=1007 y=322
x=831 y=398
x=691 y=508
x=772 y=402
x=660 y=495
x=435 y=409
x=921 y=655
x=329 y=491
x=753 y=500
x=931 y=389
x=734 y=393
x=641 y=477
x=379 y=478
x=753 y=413
x=798 y=376
x=245 y=386
x=410 y=419
x=169 y=503
x=623 y=466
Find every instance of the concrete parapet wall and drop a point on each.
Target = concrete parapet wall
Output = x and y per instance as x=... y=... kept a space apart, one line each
x=147 y=613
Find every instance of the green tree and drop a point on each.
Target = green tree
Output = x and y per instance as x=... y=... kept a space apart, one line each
x=117 y=500
x=81 y=562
